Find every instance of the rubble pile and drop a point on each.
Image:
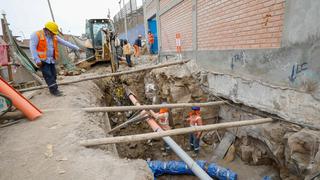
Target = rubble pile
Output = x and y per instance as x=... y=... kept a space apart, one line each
x=172 y=86
x=292 y=149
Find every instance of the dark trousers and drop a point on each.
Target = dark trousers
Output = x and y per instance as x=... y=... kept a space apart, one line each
x=128 y=58
x=151 y=49
x=167 y=148
x=194 y=142
x=50 y=76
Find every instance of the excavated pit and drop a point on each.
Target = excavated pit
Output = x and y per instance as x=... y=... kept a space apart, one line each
x=148 y=89
x=278 y=150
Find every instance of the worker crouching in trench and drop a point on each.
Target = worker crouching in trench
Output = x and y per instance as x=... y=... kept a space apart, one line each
x=194 y=138
x=163 y=118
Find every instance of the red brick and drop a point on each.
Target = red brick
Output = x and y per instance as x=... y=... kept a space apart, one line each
x=239 y=24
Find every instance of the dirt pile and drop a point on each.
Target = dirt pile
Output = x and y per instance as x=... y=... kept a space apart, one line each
x=176 y=84
x=288 y=147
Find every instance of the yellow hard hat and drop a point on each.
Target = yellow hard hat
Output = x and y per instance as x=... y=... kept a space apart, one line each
x=52 y=26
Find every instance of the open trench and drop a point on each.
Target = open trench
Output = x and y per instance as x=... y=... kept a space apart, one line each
x=154 y=87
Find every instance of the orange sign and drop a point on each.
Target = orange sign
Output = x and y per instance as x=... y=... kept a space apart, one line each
x=178 y=42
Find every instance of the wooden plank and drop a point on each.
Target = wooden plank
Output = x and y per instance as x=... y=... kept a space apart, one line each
x=148 y=107
x=173 y=132
x=223 y=147
x=110 y=75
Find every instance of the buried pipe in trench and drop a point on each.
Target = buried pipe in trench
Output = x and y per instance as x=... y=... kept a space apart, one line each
x=180 y=168
x=195 y=168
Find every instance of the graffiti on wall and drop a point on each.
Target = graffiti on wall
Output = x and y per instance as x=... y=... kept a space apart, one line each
x=296 y=70
x=238 y=58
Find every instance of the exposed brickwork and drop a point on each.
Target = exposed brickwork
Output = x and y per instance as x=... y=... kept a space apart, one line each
x=223 y=24
x=239 y=24
x=177 y=20
x=151 y=9
x=164 y=3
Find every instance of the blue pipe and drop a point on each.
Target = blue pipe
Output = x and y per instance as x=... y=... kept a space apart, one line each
x=179 y=168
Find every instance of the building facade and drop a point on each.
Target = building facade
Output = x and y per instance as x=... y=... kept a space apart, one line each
x=249 y=49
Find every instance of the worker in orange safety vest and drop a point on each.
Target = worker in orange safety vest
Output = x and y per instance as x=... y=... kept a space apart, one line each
x=151 y=42
x=195 y=120
x=45 y=52
x=163 y=119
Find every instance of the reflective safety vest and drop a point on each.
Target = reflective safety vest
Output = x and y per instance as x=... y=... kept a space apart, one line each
x=42 y=46
x=164 y=121
x=151 y=38
x=195 y=120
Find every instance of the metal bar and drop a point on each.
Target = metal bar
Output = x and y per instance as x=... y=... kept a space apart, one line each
x=140 y=117
x=109 y=75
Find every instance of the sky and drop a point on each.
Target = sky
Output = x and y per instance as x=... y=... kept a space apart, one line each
x=27 y=16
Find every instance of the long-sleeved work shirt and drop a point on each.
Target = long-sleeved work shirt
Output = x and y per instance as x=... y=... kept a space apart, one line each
x=127 y=49
x=34 y=40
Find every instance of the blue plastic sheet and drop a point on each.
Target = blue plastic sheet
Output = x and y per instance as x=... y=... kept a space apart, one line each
x=266 y=178
x=220 y=172
x=179 y=168
x=172 y=167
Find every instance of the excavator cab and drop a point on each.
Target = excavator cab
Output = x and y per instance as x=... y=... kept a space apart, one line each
x=101 y=36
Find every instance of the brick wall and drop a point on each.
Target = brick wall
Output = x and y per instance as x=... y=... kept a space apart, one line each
x=151 y=9
x=239 y=24
x=177 y=20
x=164 y=3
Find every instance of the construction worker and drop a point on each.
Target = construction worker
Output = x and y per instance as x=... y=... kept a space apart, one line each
x=137 y=46
x=195 y=120
x=127 y=52
x=45 y=52
x=151 y=41
x=163 y=120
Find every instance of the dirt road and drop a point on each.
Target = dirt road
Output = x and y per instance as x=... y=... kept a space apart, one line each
x=48 y=147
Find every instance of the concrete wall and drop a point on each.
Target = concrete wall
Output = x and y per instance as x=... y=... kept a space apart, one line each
x=273 y=43
x=301 y=22
x=295 y=64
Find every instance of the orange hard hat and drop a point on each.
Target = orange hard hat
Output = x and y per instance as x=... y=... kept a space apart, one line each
x=164 y=110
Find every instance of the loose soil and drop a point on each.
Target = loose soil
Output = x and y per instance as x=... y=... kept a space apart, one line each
x=48 y=147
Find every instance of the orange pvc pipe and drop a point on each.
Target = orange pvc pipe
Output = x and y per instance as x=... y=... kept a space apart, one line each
x=155 y=127
x=19 y=101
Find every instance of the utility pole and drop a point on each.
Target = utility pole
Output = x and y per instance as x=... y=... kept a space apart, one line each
x=130 y=6
x=49 y=4
x=125 y=19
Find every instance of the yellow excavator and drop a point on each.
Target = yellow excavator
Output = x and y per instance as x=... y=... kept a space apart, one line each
x=100 y=44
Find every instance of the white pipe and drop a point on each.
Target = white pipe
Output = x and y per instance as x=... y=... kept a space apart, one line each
x=195 y=168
